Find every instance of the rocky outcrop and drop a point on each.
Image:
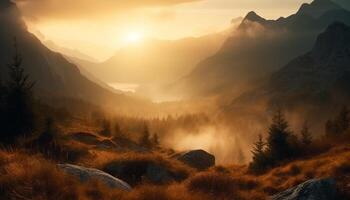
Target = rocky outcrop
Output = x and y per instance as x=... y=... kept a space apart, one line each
x=198 y=159
x=316 y=189
x=86 y=174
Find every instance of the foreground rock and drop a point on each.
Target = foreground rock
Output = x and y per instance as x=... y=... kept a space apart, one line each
x=134 y=172
x=86 y=174
x=316 y=189
x=198 y=159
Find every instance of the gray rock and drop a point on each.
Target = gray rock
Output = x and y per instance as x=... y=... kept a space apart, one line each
x=86 y=174
x=315 y=189
x=198 y=159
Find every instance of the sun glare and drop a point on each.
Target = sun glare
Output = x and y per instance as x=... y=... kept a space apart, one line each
x=133 y=37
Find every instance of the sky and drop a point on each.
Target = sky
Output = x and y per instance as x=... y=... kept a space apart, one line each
x=100 y=27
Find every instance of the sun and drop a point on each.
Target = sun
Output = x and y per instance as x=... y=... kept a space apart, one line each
x=133 y=37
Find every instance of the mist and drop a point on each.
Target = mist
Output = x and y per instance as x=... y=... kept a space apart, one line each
x=227 y=146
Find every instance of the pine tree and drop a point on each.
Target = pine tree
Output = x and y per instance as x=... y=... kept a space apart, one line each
x=18 y=101
x=277 y=141
x=259 y=162
x=306 y=137
x=155 y=140
x=343 y=121
x=340 y=124
x=145 y=138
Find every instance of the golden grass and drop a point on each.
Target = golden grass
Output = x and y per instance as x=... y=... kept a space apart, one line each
x=25 y=176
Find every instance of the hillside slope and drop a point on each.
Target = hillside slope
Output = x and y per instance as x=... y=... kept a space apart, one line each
x=52 y=73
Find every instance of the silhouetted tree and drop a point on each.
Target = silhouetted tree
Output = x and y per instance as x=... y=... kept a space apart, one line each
x=340 y=124
x=306 y=137
x=106 y=128
x=145 y=140
x=343 y=120
x=155 y=140
x=18 y=101
x=260 y=161
x=278 y=147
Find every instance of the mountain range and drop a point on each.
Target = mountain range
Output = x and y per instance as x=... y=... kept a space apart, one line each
x=259 y=47
x=52 y=73
x=155 y=61
x=310 y=87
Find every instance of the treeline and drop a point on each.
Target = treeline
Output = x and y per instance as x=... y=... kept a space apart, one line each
x=281 y=144
x=146 y=132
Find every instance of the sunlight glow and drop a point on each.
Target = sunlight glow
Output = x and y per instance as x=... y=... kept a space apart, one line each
x=133 y=37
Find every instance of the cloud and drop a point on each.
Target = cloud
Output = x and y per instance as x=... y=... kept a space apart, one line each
x=68 y=9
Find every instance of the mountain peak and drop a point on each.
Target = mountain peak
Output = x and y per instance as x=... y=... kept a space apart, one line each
x=253 y=17
x=318 y=8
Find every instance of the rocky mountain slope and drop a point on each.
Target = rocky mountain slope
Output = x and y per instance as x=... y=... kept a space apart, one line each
x=316 y=81
x=259 y=47
x=319 y=74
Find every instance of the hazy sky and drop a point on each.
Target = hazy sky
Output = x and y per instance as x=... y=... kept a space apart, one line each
x=97 y=27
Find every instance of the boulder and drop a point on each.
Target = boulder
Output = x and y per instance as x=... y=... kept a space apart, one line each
x=315 y=189
x=198 y=159
x=86 y=174
x=134 y=172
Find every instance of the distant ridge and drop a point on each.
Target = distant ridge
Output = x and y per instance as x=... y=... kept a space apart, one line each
x=317 y=8
x=253 y=52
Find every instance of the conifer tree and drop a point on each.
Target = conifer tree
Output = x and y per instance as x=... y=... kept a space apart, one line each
x=343 y=120
x=340 y=124
x=18 y=101
x=155 y=140
x=277 y=142
x=306 y=137
x=145 y=138
x=259 y=162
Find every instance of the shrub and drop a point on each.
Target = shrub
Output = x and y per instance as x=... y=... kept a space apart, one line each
x=214 y=184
